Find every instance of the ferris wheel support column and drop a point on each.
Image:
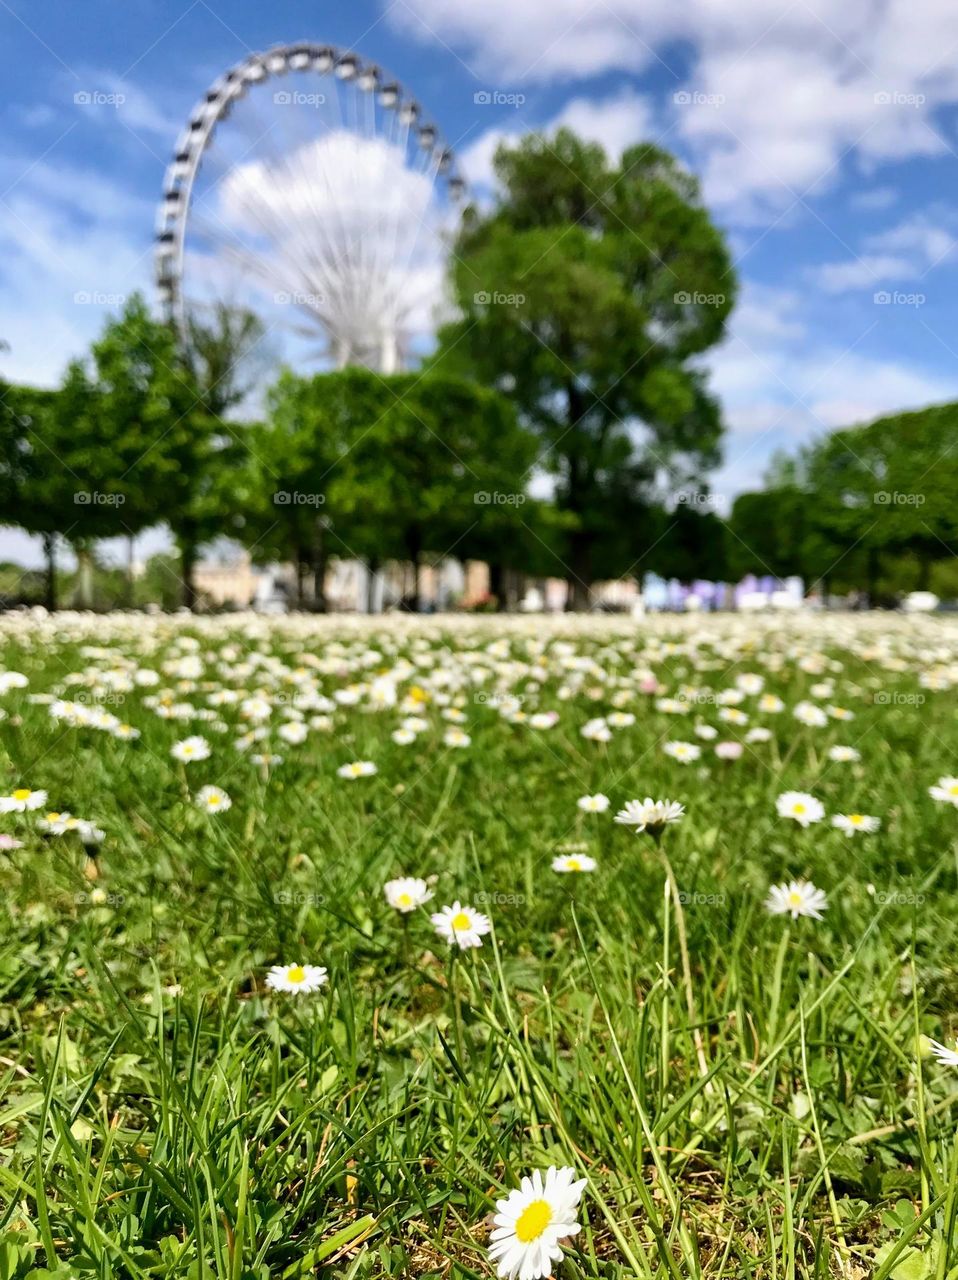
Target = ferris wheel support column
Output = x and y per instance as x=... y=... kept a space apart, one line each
x=389 y=354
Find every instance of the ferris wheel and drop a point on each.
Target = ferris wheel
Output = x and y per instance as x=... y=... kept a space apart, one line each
x=309 y=187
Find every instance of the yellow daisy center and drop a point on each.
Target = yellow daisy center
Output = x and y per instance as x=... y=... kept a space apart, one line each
x=296 y=973
x=51 y=817
x=22 y=793
x=187 y=751
x=212 y=801
x=795 y=898
x=405 y=900
x=855 y=819
x=798 y=808
x=953 y=789
x=573 y=864
x=533 y=1220
x=460 y=920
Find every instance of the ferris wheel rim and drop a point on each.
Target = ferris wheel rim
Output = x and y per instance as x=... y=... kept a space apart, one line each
x=214 y=107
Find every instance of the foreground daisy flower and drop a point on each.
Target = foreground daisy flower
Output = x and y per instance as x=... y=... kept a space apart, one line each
x=797 y=898
x=531 y=1221
x=800 y=806
x=407 y=893
x=851 y=823
x=945 y=791
x=945 y=1055
x=213 y=799
x=574 y=862
x=21 y=800
x=461 y=925
x=358 y=769
x=593 y=804
x=296 y=977
x=684 y=752
x=650 y=815
x=190 y=749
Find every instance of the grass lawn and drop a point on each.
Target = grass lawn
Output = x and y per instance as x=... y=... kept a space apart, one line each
x=748 y=1094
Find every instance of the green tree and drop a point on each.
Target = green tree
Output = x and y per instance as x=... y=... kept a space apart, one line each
x=588 y=291
x=380 y=468
x=26 y=498
x=225 y=350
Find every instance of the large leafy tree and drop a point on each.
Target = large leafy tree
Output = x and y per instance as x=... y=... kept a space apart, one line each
x=124 y=444
x=26 y=497
x=381 y=468
x=588 y=291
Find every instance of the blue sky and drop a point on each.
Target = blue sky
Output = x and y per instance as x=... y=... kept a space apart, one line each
x=825 y=135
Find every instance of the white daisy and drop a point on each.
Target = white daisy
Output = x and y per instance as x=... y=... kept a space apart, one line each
x=358 y=769
x=407 y=893
x=945 y=791
x=456 y=738
x=684 y=752
x=843 y=755
x=461 y=925
x=293 y=731
x=758 y=734
x=299 y=978
x=531 y=1222
x=213 y=799
x=728 y=750
x=810 y=714
x=800 y=806
x=403 y=737
x=190 y=749
x=21 y=800
x=574 y=862
x=851 y=823
x=650 y=815
x=593 y=804
x=797 y=898
x=596 y=730
x=945 y=1055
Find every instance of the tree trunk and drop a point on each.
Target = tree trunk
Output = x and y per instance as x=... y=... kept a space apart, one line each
x=300 y=577
x=129 y=580
x=372 y=579
x=50 y=554
x=871 y=575
x=187 y=574
x=84 y=592
x=497 y=584
x=579 y=577
x=416 y=576
x=319 y=567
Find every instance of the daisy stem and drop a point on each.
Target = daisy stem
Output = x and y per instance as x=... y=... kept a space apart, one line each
x=456 y=1007
x=686 y=967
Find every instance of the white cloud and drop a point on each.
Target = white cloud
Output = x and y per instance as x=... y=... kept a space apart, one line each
x=907 y=251
x=780 y=102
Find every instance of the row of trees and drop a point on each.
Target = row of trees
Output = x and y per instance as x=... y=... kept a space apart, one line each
x=351 y=464
x=583 y=298
x=870 y=508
